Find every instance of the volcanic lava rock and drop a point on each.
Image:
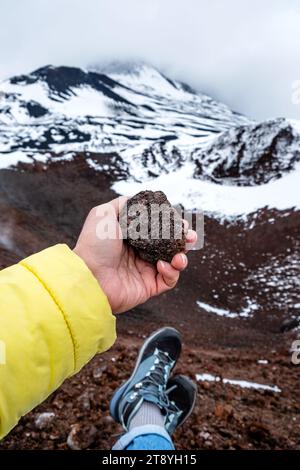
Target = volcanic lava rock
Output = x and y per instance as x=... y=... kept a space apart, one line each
x=152 y=226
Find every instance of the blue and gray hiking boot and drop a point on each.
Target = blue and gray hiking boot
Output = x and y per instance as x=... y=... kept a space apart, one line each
x=150 y=382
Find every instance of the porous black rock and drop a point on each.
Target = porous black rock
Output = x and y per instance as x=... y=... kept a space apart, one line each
x=152 y=226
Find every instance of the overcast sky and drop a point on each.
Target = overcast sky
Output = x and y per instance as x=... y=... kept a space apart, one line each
x=244 y=52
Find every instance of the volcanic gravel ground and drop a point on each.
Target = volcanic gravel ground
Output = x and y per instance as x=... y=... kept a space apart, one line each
x=225 y=416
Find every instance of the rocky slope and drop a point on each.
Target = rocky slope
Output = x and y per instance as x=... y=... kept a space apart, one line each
x=251 y=154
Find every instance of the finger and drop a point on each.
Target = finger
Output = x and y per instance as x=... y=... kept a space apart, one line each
x=191 y=240
x=169 y=274
x=179 y=261
x=191 y=236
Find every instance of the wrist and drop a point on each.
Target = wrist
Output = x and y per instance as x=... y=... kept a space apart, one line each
x=96 y=270
x=86 y=259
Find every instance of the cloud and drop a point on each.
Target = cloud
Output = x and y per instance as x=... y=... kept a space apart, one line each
x=244 y=53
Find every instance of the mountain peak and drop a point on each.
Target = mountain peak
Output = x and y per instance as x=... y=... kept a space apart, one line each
x=168 y=110
x=120 y=67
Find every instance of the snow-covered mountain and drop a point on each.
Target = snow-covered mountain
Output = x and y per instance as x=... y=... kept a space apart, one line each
x=73 y=138
x=136 y=111
x=157 y=126
x=152 y=121
x=72 y=108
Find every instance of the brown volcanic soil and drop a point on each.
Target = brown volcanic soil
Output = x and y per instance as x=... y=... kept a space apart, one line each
x=45 y=204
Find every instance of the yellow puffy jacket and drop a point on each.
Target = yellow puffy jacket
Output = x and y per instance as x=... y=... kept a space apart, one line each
x=54 y=317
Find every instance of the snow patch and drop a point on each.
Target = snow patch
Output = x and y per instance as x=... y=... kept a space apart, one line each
x=12 y=158
x=244 y=313
x=220 y=200
x=83 y=102
x=238 y=383
x=6 y=237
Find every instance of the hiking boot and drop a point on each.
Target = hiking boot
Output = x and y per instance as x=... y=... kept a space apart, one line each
x=149 y=379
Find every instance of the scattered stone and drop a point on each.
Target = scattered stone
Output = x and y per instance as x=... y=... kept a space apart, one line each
x=84 y=401
x=223 y=411
x=81 y=436
x=108 y=419
x=43 y=420
x=289 y=324
x=205 y=435
x=98 y=372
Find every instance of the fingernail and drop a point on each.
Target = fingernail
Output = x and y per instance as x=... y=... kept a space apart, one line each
x=184 y=259
x=191 y=236
x=162 y=264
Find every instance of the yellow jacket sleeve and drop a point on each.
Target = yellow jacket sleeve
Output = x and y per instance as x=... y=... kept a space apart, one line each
x=54 y=317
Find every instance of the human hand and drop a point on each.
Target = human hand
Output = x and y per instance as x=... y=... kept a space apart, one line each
x=126 y=279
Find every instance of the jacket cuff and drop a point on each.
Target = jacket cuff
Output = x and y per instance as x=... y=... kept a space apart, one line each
x=79 y=298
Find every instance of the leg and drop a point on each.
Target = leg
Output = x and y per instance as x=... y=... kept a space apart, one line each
x=145 y=438
x=150 y=405
x=150 y=442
